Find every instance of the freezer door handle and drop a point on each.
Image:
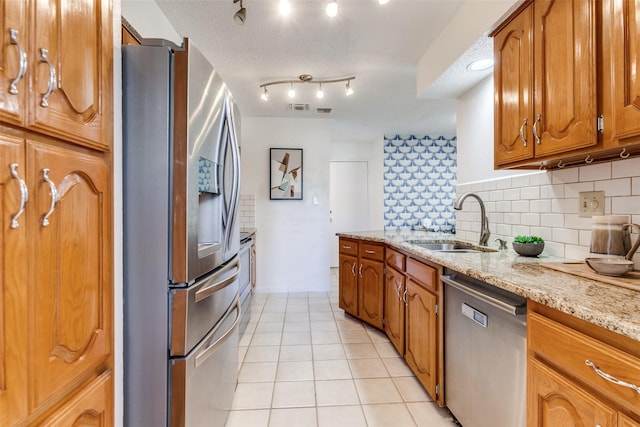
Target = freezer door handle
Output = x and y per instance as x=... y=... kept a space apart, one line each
x=211 y=288
x=208 y=352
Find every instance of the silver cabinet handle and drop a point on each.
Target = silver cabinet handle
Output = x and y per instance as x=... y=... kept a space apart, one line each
x=211 y=286
x=404 y=298
x=353 y=269
x=44 y=53
x=367 y=251
x=611 y=378
x=398 y=288
x=535 y=129
x=346 y=247
x=360 y=271
x=54 y=196
x=523 y=138
x=24 y=195
x=13 y=37
x=207 y=352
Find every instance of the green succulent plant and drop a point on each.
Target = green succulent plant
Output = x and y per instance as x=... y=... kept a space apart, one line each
x=533 y=240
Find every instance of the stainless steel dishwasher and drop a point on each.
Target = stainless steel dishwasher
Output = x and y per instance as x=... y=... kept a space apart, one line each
x=485 y=353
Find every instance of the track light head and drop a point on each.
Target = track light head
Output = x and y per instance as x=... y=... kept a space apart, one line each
x=332 y=9
x=320 y=92
x=348 y=89
x=241 y=14
x=292 y=92
x=265 y=95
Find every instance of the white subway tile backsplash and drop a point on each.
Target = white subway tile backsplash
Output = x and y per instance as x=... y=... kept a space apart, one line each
x=552 y=220
x=585 y=237
x=520 y=206
x=577 y=222
x=626 y=168
x=595 y=172
x=564 y=205
x=564 y=176
x=503 y=183
x=576 y=252
x=544 y=232
x=532 y=219
x=540 y=178
x=511 y=194
x=564 y=235
x=540 y=206
x=573 y=189
x=520 y=181
x=512 y=218
x=553 y=248
x=626 y=205
x=530 y=193
x=554 y=191
x=520 y=229
x=614 y=187
x=497 y=195
x=502 y=230
x=503 y=206
x=635 y=186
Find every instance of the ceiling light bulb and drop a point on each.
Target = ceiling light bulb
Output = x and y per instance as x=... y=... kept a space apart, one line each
x=320 y=92
x=332 y=9
x=348 y=91
x=265 y=95
x=481 y=64
x=292 y=91
x=241 y=15
x=285 y=7
x=383 y=1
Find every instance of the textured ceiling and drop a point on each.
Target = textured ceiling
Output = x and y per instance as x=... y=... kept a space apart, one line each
x=379 y=44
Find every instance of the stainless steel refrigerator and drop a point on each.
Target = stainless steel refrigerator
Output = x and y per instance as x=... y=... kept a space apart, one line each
x=181 y=180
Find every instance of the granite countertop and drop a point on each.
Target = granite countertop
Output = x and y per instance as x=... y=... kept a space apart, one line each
x=612 y=307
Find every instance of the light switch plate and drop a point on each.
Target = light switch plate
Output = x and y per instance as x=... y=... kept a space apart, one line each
x=591 y=203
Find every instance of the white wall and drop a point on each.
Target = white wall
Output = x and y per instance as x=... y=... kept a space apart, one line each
x=147 y=18
x=292 y=235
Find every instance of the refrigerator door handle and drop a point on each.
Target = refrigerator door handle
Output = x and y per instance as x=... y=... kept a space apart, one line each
x=211 y=289
x=207 y=352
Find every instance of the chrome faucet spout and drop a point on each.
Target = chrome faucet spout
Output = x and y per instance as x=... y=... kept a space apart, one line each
x=484 y=224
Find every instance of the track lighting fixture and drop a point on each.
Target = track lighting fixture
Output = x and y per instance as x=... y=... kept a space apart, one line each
x=307 y=78
x=332 y=9
x=241 y=14
x=285 y=7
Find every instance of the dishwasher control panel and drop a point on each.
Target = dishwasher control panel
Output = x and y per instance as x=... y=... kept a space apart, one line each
x=477 y=316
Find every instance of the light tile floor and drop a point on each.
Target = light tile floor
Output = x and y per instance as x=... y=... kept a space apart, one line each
x=304 y=362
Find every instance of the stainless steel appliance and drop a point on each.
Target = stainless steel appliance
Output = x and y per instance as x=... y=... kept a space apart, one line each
x=181 y=238
x=245 y=255
x=485 y=353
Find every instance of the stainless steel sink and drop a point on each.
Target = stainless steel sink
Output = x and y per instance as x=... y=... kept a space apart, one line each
x=451 y=247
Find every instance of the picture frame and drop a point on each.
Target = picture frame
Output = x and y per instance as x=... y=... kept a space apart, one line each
x=285 y=174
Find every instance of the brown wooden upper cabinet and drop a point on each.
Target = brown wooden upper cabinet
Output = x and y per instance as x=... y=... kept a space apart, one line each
x=56 y=67
x=565 y=83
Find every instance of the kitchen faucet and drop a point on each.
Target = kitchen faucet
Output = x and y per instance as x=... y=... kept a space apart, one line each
x=484 y=228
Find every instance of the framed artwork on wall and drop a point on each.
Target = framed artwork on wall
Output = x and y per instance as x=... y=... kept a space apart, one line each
x=285 y=169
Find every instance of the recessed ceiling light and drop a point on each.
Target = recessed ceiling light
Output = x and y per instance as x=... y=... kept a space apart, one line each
x=480 y=64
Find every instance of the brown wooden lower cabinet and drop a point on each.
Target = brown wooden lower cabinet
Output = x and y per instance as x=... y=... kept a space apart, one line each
x=394 y=295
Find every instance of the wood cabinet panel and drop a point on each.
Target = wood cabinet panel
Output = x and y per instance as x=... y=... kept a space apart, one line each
x=349 y=247
x=348 y=292
x=71 y=305
x=371 y=292
x=625 y=421
x=77 y=36
x=371 y=251
x=421 y=335
x=513 y=89
x=423 y=274
x=555 y=401
x=13 y=292
x=395 y=259
x=394 y=288
x=13 y=53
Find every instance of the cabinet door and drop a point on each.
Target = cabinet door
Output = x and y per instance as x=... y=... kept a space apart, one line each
x=621 y=82
x=565 y=75
x=371 y=293
x=421 y=335
x=394 y=308
x=624 y=421
x=77 y=72
x=71 y=298
x=555 y=401
x=348 y=284
x=513 y=83
x=14 y=269
x=13 y=62
x=92 y=406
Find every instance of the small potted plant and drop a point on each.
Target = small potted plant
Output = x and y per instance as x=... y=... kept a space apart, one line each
x=528 y=245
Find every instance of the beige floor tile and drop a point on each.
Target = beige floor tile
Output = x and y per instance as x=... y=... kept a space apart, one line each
x=295 y=353
x=397 y=367
x=252 y=418
x=245 y=339
x=251 y=327
x=368 y=368
x=296 y=317
x=376 y=335
x=242 y=351
x=319 y=307
x=331 y=370
x=257 y=372
x=430 y=414
x=348 y=323
x=262 y=353
x=377 y=390
x=266 y=339
x=290 y=417
x=269 y=327
x=411 y=390
x=290 y=394
x=298 y=308
x=321 y=316
x=328 y=352
x=385 y=349
x=341 y=416
x=389 y=415
x=357 y=336
x=296 y=338
x=272 y=316
x=336 y=392
x=295 y=371
x=325 y=337
x=323 y=325
x=299 y=326
x=253 y=396
x=274 y=308
x=360 y=351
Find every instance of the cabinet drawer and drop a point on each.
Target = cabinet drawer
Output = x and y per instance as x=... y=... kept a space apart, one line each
x=422 y=274
x=395 y=259
x=569 y=349
x=349 y=247
x=371 y=251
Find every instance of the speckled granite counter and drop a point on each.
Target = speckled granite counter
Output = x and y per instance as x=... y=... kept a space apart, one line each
x=609 y=306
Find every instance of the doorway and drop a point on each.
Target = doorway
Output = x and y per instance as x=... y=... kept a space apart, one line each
x=348 y=200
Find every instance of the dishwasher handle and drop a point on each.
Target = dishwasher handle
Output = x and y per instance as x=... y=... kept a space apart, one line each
x=508 y=307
